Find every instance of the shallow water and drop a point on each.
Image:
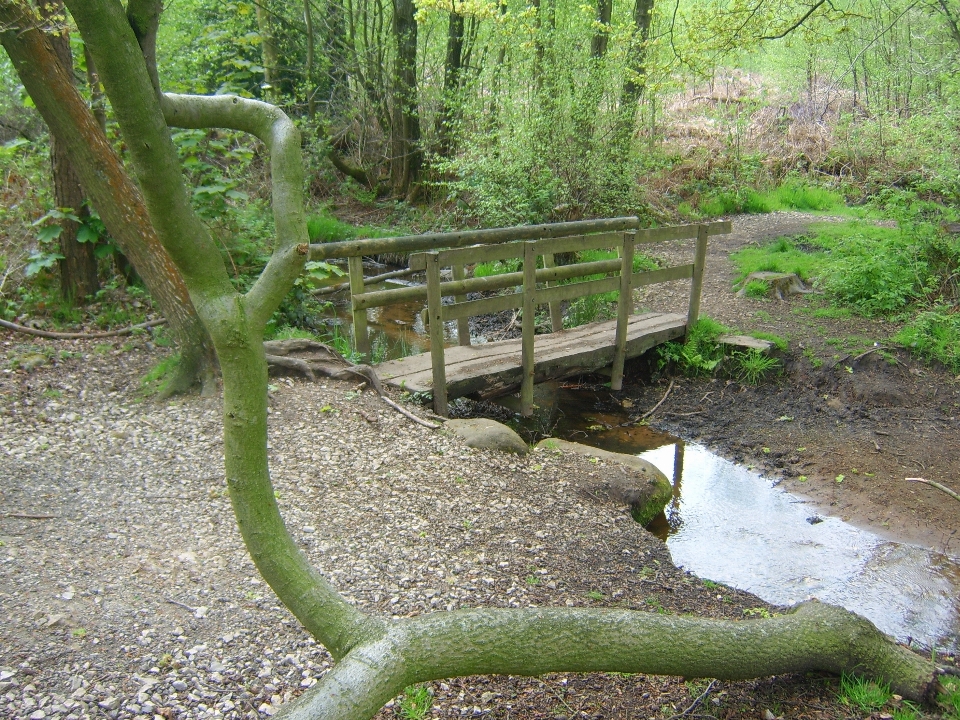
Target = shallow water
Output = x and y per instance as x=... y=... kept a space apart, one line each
x=731 y=525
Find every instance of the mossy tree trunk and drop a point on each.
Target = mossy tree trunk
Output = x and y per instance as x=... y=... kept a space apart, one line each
x=376 y=658
x=107 y=184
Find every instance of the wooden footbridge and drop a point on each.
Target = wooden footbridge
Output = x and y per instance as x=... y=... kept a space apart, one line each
x=495 y=368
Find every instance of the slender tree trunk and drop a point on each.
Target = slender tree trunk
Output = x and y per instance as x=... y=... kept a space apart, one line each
x=311 y=86
x=407 y=153
x=78 y=268
x=452 y=69
x=268 y=49
x=107 y=184
x=636 y=73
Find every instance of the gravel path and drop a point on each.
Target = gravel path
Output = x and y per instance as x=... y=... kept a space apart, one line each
x=125 y=590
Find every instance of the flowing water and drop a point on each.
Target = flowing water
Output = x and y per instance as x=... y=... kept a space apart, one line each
x=731 y=525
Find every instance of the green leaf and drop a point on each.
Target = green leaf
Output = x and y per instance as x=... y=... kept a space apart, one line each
x=87 y=234
x=50 y=232
x=39 y=261
x=237 y=195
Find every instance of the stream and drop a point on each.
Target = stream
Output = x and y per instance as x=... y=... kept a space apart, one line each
x=729 y=524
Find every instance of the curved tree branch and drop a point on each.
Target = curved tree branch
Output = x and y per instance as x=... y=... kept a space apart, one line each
x=272 y=126
x=534 y=641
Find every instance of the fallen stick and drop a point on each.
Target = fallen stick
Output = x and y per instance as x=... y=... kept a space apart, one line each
x=28 y=516
x=79 y=336
x=938 y=486
x=652 y=410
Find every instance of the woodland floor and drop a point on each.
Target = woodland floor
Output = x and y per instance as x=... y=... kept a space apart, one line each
x=125 y=590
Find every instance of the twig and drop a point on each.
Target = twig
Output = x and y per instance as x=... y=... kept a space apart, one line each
x=180 y=604
x=695 y=703
x=79 y=336
x=652 y=410
x=871 y=350
x=938 y=486
x=28 y=516
x=697 y=412
x=407 y=413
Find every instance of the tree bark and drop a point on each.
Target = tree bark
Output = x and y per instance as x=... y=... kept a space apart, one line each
x=407 y=153
x=78 y=268
x=530 y=642
x=452 y=69
x=107 y=184
x=268 y=48
x=635 y=83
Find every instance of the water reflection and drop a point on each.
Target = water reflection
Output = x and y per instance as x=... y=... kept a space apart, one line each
x=731 y=525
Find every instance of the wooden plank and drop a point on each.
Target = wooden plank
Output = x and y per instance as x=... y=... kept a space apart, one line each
x=682 y=232
x=652 y=277
x=746 y=341
x=624 y=310
x=463 y=323
x=494 y=253
x=431 y=241
x=529 y=326
x=699 y=263
x=494 y=368
x=361 y=338
x=484 y=284
x=484 y=306
x=556 y=315
x=580 y=289
x=438 y=367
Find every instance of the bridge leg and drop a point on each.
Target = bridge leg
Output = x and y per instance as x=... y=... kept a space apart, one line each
x=361 y=340
x=529 y=326
x=463 y=324
x=696 y=285
x=435 y=312
x=624 y=310
x=556 y=317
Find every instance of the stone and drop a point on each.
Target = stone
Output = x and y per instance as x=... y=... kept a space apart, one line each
x=486 y=434
x=624 y=479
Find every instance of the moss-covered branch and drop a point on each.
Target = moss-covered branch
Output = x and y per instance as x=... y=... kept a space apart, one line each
x=536 y=641
x=280 y=135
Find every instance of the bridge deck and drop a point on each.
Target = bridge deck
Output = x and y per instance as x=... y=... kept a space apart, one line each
x=492 y=369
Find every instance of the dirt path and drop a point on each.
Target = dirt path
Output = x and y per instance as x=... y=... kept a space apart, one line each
x=839 y=409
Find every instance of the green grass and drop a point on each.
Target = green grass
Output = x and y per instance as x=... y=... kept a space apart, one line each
x=415 y=702
x=781 y=256
x=866 y=695
x=779 y=342
x=730 y=203
x=950 y=698
x=156 y=379
x=797 y=195
x=500 y=267
x=934 y=335
x=753 y=366
x=325 y=228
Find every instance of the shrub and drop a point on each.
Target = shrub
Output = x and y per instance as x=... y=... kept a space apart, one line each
x=934 y=335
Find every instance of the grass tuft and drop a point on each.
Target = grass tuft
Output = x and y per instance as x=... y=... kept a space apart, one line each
x=867 y=695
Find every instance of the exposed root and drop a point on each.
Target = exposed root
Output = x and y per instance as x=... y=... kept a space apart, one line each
x=79 y=336
x=314 y=358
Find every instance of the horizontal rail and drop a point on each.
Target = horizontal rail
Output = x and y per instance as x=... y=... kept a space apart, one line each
x=432 y=241
x=481 y=284
x=491 y=253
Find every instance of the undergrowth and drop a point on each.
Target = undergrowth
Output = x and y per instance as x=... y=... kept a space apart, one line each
x=703 y=354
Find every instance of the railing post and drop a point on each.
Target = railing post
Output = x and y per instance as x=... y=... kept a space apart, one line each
x=361 y=339
x=696 y=285
x=556 y=316
x=435 y=313
x=529 y=326
x=624 y=310
x=463 y=324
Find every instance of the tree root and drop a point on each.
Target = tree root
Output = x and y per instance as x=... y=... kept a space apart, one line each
x=79 y=336
x=310 y=358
